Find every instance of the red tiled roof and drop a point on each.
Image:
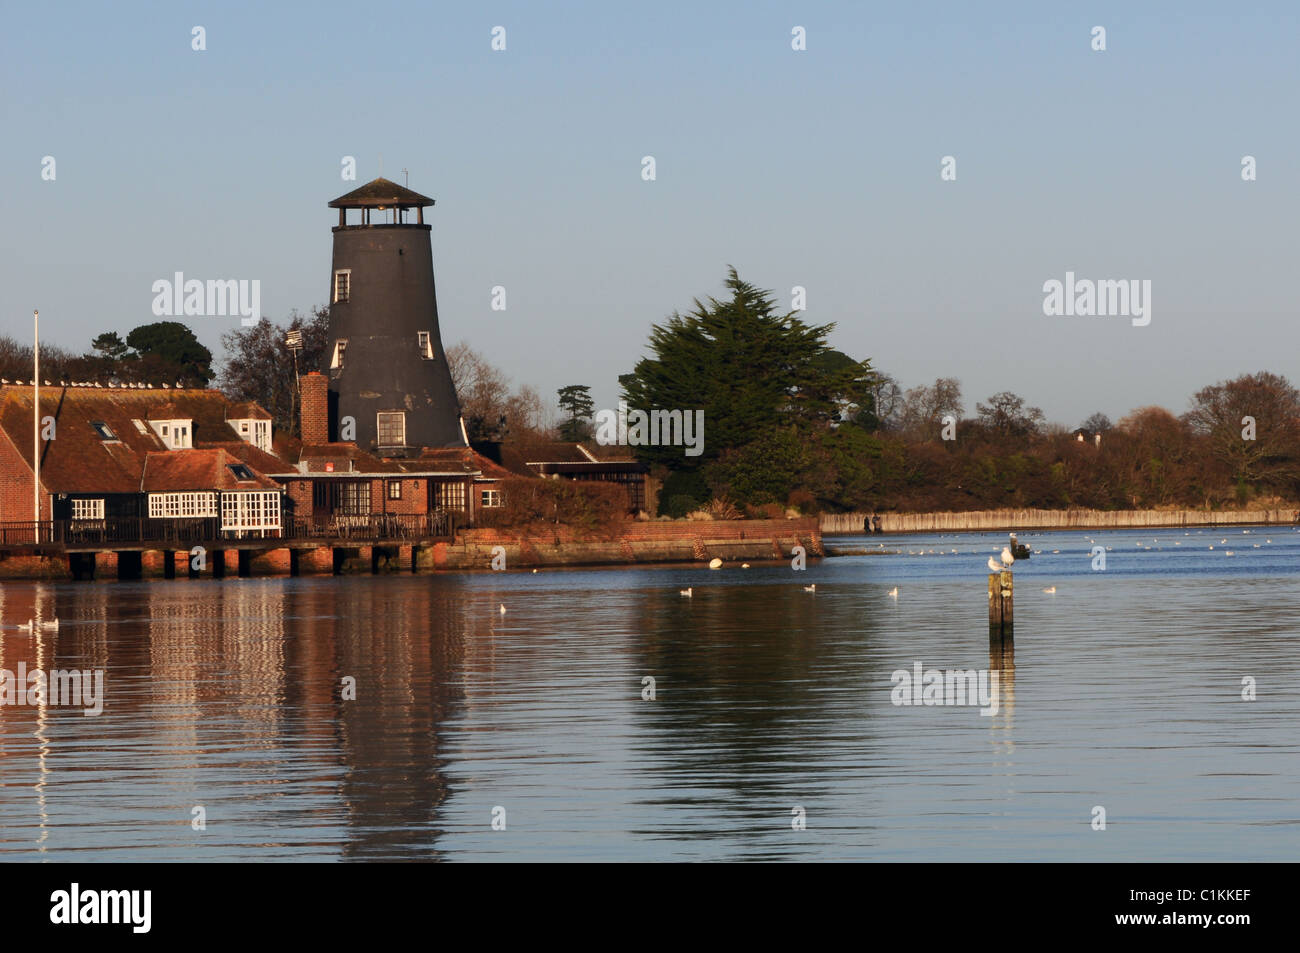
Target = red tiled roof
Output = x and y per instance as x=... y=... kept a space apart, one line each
x=346 y=457
x=164 y=411
x=514 y=461
x=246 y=411
x=79 y=459
x=257 y=459
x=170 y=471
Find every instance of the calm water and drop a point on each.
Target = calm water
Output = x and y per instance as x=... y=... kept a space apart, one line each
x=1123 y=690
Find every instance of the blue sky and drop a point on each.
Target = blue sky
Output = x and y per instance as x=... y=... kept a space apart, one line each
x=817 y=168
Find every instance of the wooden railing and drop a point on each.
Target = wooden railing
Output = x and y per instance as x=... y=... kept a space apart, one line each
x=133 y=531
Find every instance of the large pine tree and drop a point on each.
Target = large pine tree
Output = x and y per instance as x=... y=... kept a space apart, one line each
x=753 y=371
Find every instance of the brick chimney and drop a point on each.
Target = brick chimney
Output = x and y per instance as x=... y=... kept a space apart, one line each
x=315 y=408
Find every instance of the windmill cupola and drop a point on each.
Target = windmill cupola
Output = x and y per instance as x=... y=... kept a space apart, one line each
x=381 y=203
x=390 y=389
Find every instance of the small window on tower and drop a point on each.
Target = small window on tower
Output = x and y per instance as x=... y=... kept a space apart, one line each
x=426 y=345
x=342 y=284
x=340 y=346
x=392 y=429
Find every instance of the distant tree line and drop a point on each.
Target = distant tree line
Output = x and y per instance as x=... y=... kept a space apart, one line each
x=165 y=352
x=792 y=423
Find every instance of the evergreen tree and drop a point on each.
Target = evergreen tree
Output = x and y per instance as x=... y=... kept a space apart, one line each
x=576 y=403
x=754 y=372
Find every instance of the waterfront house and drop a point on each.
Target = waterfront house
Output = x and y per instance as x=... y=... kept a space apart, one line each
x=115 y=453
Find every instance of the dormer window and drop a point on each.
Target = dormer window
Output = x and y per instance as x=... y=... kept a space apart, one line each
x=426 y=345
x=342 y=284
x=175 y=434
x=340 y=347
x=103 y=430
x=254 y=431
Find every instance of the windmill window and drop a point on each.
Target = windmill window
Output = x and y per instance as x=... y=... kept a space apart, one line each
x=340 y=346
x=426 y=345
x=392 y=429
x=342 y=284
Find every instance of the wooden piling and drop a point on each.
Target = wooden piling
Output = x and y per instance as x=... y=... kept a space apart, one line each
x=1001 y=604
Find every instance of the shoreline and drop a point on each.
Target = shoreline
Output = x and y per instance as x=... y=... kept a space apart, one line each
x=1018 y=520
x=637 y=544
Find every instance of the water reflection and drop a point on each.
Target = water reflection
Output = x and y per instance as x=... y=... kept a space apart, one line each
x=230 y=696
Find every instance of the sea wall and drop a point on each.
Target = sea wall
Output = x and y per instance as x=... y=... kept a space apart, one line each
x=678 y=541
x=666 y=542
x=1014 y=520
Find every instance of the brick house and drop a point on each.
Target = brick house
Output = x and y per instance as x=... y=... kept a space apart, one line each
x=116 y=452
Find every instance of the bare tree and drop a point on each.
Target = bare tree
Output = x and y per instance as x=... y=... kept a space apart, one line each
x=260 y=368
x=1252 y=425
x=922 y=409
x=1007 y=415
x=1097 y=423
x=487 y=403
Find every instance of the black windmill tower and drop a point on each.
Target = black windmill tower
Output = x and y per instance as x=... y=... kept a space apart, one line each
x=386 y=366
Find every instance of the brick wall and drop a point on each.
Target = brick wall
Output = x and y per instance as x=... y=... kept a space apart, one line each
x=16 y=486
x=299 y=492
x=315 y=408
x=415 y=497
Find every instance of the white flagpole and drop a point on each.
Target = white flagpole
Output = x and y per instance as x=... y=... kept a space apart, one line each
x=36 y=424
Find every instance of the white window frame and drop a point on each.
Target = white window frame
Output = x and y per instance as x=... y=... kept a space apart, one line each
x=253 y=431
x=340 y=351
x=490 y=498
x=346 y=275
x=425 y=339
x=379 y=427
x=250 y=510
x=198 y=504
x=87 y=509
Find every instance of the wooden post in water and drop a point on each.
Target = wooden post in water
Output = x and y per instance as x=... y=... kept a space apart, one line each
x=1001 y=604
